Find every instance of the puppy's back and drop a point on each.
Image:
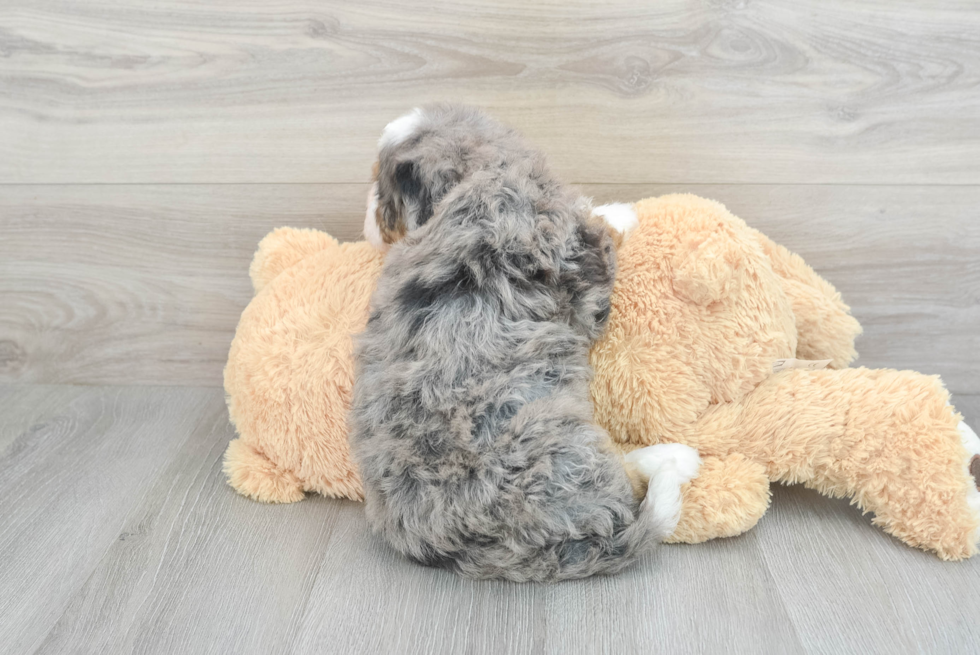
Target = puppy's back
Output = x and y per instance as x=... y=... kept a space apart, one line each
x=472 y=423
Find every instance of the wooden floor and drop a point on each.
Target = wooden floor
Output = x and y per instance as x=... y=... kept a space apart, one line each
x=146 y=147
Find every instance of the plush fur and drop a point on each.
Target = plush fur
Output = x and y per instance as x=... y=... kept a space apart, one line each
x=290 y=370
x=701 y=307
x=471 y=422
x=696 y=323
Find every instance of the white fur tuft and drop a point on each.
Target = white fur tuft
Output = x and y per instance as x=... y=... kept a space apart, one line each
x=668 y=466
x=972 y=444
x=619 y=216
x=400 y=129
x=371 y=230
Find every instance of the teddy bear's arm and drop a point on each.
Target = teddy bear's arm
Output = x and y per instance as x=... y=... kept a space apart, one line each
x=728 y=497
x=282 y=248
x=825 y=327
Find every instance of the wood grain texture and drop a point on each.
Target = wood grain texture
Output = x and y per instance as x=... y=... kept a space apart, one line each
x=127 y=539
x=197 y=568
x=67 y=482
x=123 y=284
x=675 y=91
x=144 y=284
x=729 y=603
x=23 y=405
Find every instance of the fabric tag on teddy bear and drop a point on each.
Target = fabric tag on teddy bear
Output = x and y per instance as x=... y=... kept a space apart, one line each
x=805 y=364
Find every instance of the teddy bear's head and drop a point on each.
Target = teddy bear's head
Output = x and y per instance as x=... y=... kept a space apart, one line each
x=290 y=369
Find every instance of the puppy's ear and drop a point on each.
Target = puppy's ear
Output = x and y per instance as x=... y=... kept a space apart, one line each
x=415 y=195
x=404 y=199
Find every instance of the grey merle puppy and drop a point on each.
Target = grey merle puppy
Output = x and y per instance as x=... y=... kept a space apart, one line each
x=472 y=421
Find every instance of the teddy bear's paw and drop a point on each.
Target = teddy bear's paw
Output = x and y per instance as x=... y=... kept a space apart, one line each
x=971 y=442
x=668 y=467
x=253 y=474
x=620 y=216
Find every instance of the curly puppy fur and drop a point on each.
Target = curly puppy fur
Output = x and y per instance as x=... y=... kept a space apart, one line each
x=471 y=423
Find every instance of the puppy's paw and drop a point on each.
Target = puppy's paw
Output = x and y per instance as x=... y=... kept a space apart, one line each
x=674 y=459
x=620 y=216
x=668 y=466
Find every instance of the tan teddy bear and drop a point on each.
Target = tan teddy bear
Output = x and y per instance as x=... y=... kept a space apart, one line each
x=703 y=308
x=290 y=370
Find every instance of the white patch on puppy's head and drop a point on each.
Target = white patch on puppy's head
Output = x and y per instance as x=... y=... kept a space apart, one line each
x=371 y=230
x=620 y=216
x=400 y=129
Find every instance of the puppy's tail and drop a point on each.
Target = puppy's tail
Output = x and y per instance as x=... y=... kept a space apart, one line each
x=668 y=466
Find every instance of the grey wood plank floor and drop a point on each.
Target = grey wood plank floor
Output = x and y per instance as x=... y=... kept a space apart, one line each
x=120 y=535
x=146 y=147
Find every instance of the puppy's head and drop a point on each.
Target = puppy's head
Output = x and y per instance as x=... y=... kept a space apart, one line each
x=421 y=157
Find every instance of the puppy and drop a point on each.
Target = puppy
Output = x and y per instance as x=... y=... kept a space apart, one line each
x=472 y=420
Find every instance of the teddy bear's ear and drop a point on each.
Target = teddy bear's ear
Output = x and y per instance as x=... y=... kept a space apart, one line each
x=706 y=270
x=283 y=248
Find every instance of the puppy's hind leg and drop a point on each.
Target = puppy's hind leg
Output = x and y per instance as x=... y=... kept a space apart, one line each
x=666 y=467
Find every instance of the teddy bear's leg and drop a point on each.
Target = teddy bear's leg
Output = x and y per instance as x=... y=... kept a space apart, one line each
x=252 y=474
x=943 y=512
x=886 y=439
x=282 y=248
x=825 y=327
x=728 y=497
